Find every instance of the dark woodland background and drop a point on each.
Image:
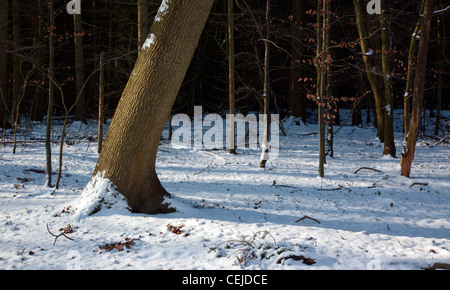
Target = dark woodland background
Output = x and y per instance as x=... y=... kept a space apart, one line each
x=112 y=27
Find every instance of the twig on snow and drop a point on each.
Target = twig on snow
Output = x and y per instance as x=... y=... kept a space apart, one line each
x=306 y=217
x=62 y=234
x=418 y=183
x=368 y=168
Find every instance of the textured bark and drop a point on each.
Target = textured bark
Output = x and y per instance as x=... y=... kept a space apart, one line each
x=129 y=153
x=419 y=88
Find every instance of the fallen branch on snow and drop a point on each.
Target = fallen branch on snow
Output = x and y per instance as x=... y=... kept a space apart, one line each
x=66 y=230
x=367 y=168
x=331 y=189
x=418 y=183
x=307 y=217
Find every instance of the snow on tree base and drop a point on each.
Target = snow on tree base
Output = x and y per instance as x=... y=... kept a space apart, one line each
x=99 y=194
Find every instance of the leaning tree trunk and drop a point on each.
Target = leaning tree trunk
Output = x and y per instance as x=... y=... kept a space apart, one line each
x=419 y=88
x=129 y=153
x=371 y=62
x=409 y=74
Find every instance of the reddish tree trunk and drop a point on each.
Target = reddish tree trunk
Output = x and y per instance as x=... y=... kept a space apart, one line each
x=419 y=87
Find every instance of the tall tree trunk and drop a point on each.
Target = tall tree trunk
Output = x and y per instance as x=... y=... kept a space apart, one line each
x=265 y=143
x=389 y=142
x=327 y=86
x=231 y=82
x=80 y=110
x=17 y=75
x=129 y=153
x=371 y=65
x=419 y=88
x=37 y=112
x=3 y=63
x=142 y=23
x=48 y=130
x=297 y=105
x=441 y=58
x=321 y=79
x=409 y=73
x=101 y=102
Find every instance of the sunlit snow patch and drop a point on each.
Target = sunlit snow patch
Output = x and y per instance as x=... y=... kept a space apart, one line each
x=163 y=9
x=149 y=41
x=99 y=194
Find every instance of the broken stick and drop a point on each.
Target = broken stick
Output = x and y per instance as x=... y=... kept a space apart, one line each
x=307 y=217
x=367 y=168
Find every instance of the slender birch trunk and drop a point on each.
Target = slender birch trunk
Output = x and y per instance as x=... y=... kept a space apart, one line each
x=265 y=147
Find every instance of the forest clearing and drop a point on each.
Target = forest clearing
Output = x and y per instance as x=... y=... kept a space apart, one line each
x=231 y=214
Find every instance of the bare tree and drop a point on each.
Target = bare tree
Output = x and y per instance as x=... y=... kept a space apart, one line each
x=419 y=88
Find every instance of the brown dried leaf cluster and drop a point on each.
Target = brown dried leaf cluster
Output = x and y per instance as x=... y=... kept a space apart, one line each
x=127 y=243
x=176 y=229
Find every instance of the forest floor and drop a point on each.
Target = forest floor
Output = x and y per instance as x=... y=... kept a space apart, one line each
x=230 y=213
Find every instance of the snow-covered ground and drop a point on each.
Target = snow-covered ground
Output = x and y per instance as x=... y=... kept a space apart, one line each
x=232 y=214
